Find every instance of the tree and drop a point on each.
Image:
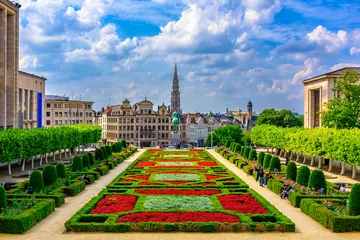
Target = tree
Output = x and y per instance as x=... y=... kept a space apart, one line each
x=343 y=112
x=280 y=118
x=232 y=133
x=215 y=140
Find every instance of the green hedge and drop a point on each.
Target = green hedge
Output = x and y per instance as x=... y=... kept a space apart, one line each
x=60 y=168
x=267 y=160
x=275 y=185
x=303 y=175
x=27 y=219
x=275 y=164
x=261 y=158
x=49 y=175
x=354 y=200
x=295 y=198
x=248 y=169
x=77 y=164
x=36 y=181
x=317 y=180
x=291 y=171
x=99 y=154
x=3 y=200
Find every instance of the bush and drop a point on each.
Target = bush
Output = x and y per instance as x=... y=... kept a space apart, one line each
x=108 y=150
x=77 y=164
x=123 y=143
x=49 y=174
x=103 y=148
x=261 y=158
x=114 y=148
x=317 y=180
x=99 y=154
x=246 y=152
x=3 y=201
x=275 y=164
x=36 y=181
x=91 y=159
x=291 y=171
x=86 y=161
x=242 y=150
x=60 y=169
x=354 y=206
x=237 y=148
x=252 y=155
x=267 y=160
x=227 y=144
x=119 y=146
x=303 y=175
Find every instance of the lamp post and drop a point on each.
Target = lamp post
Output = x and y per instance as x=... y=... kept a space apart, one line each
x=140 y=121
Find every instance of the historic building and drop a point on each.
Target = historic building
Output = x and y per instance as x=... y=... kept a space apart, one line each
x=9 y=63
x=175 y=93
x=246 y=119
x=30 y=102
x=138 y=124
x=63 y=111
x=317 y=91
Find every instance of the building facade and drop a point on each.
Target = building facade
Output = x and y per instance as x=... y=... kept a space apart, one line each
x=63 y=111
x=138 y=124
x=175 y=93
x=246 y=119
x=317 y=92
x=31 y=101
x=9 y=63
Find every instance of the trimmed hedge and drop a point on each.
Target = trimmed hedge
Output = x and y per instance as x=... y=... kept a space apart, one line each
x=354 y=200
x=252 y=155
x=261 y=158
x=317 y=180
x=291 y=171
x=86 y=161
x=3 y=201
x=227 y=144
x=114 y=148
x=99 y=154
x=60 y=169
x=267 y=160
x=36 y=181
x=49 y=174
x=275 y=164
x=103 y=148
x=77 y=164
x=108 y=150
x=123 y=143
x=303 y=175
x=246 y=152
x=91 y=158
x=74 y=189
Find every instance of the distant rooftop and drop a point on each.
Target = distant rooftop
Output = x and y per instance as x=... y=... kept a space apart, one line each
x=62 y=98
x=333 y=73
x=32 y=75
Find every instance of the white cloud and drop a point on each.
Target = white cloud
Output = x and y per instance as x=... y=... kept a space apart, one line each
x=260 y=11
x=354 y=51
x=331 y=41
x=212 y=94
x=28 y=62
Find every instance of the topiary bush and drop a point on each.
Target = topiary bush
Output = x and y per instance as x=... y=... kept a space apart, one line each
x=77 y=164
x=108 y=150
x=91 y=158
x=275 y=164
x=119 y=146
x=246 y=152
x=291 y=171
x=317 y=180
x=123 y=143
x=242 y=150
x=114 y=148
x=86 y=161
x=267 y=160
x=231 y=146
x=261 y=158
x=3 y=201
x=354 y=200
x=303 y=175
x=49 y=174
x=36 y=181
x=60 y=169
x=99 y=154
x=238 y=148
x=252 y=155
x=103 y=148
x=227 y=144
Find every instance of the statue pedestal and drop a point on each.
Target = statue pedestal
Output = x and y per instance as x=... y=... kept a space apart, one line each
x=175 y=138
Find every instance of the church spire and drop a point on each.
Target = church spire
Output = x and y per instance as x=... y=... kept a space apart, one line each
x=175 y=73
x=175 y=93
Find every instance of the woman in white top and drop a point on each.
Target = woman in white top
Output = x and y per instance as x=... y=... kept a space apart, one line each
x=342 y=188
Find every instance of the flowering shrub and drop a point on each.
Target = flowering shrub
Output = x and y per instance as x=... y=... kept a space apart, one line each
x=178 y=192
x=243 y=203
x=338 y=208
x=145 y=164
x=115 y=203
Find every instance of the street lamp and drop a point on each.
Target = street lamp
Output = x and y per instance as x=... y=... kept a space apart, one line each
x=140 y=121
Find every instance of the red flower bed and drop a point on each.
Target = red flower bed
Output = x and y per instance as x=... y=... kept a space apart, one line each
x=155 y=150
x=178 y=217
x=139 y=177
x=180 y=160
x=210 y=177
x=124 y=180
x=145 y=164
x=174 y=182
x=205 y=184
x=146 y=183
x=169 y=167
x=115 y=203
x=179 y=192
x=196 y=150
x=243 y=203
x=205 y=164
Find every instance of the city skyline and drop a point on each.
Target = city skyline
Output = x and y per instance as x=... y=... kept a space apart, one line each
x=227 y=51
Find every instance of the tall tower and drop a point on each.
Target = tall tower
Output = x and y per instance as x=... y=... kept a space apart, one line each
x=249 y=107
x=175 y=93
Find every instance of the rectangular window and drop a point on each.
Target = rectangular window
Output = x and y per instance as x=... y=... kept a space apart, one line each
x=47 y=122
x=48 y=114
x=55 y=105
x=56 y=114
x=87 y=114
x=48 y=105
x=60 y=114
x=90 y=114
x=65 y=114
x=56 y=122
x=60 y=122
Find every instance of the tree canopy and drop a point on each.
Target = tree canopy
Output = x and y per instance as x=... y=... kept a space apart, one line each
x=232 y=133
x=343 y=112
x=279 y=118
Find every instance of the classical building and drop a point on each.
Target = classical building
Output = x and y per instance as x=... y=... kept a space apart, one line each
x=31 y=102
x=63 y=111
x=317 y=91
x=138 y=124
x=175 y=93
x=9 y=63
x=246 y=119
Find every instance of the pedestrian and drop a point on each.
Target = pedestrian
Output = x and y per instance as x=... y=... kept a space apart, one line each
x=261 y=177
x=287 y=161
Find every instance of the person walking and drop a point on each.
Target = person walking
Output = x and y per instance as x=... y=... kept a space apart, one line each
x=287 y=161
x=261 y=176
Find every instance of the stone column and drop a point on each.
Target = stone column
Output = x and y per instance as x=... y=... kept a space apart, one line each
x=3 y=68
x=11 y=71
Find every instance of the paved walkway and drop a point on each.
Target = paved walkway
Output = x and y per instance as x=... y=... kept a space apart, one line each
x=53 y=226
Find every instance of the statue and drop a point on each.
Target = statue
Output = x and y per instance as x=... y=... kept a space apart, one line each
x=175 y=121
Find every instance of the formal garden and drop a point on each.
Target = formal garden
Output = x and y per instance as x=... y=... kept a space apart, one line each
x=316 y=197
x=189 y=191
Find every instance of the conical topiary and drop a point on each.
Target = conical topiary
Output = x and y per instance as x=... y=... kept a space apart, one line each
x=86 y=161
x=246 y=152
x=275 y=164
x=103 y=148
x=261 y=158
x=227 y=144
x=3 y=201
x=108 y=150
x=267 y=160
x=238 y=148
x=354 y=200
x=36 y=181
x=99 y=154
x=114 y=148
x=252 y=155
x=291 y=171
x=49 y=175
x=91 y=159
x=60 y=168
x=123 y=143
x=303 y=175
x=119 y=146
x=77 y=164
x=317 y=180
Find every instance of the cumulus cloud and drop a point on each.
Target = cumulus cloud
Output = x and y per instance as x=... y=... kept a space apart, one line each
x=354 y=51
x=330 y=41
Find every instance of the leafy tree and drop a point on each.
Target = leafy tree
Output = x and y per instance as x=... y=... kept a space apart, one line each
x=232 y=133
x=247 y=137
x=343 y=112
x=280 y=118
x=215 y=140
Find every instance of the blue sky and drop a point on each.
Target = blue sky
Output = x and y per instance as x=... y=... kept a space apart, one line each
x=227 y=50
